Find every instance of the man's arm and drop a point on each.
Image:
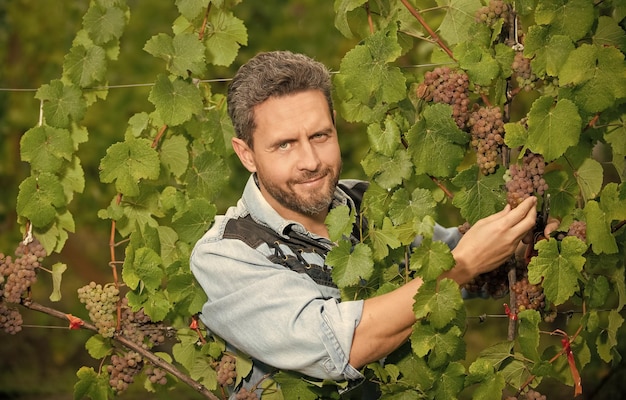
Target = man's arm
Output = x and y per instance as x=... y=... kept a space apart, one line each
x=387 y=320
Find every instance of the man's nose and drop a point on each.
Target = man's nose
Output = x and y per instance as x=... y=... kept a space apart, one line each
x=308 y=157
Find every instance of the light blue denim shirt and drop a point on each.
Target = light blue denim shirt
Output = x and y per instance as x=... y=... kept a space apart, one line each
x=279 y=317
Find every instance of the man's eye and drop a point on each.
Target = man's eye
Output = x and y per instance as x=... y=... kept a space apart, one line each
x=283 y=146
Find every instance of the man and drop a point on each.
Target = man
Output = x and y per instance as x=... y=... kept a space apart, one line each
x=284 y=316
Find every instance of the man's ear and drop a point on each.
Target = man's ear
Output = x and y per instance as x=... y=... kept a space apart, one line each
x=245 y=154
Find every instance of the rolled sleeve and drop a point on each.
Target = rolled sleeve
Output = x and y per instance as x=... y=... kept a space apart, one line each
x=273 y=314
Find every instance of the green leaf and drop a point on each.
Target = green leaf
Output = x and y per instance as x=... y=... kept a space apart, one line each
x=104 y=23
x=85 y=66
x=563 y=192
x=190 y=9
x=431 y=259
x=599 y=229
x=384 y=141
x=529 y=334
x=558 y=268
x=516 y=135
x=553 y=128
x=350 y=266
x=367 y=73
x=441 y=347
x=186 y=292
x=223 y=40
x=194 y=221
x=340 y=222
x=438 y=304
x=91 y=384
x=127 y=163
x=98 y=347
x=207 y=176
x=608 y=33
x=481 y=196
x=589 y=178
x=607 y=341
x=383 y=238
x=38 y=199
x=147 y=266
x=479 y=63
x=388 y=172
x=175 y=101
x=57 y=276
x=404 y=209
x=62 y=103
x=46 y=148
x=451 y=381
x=436 y=144
x=294 y=387
x=567 y=17
x=458 y=19
x=174 y=155
x=183 y=54
x=342 y=8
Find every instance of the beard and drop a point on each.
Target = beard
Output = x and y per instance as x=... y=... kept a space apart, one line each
x=310 y=203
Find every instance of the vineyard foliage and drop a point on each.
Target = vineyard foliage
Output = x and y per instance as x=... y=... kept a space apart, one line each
x=547 y=77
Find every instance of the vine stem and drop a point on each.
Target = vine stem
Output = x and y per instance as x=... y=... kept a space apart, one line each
x=204 y=22
x=145 y=353
x=430 y=31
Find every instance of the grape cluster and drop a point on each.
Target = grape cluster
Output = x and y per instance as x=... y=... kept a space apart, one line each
x=494 y=283
x=101 y=302
x=226 y=372
x=19 y=273
x=443 y=85
x=138 y=327
x=523 y=180
x=578 y=229
x=530 y=394
x=156 y=375
x=522 y=71
x=123 y=369
x=10 y=319
x=244 y=394
x=487 y=130
x=490 y=13
x=529 y=296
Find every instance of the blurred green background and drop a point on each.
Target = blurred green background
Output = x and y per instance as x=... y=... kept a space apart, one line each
x=41 y=361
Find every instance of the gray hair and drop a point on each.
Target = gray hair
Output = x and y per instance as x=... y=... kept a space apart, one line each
x=272 y=74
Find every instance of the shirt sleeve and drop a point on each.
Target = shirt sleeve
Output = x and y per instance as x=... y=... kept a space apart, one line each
x=273 y=314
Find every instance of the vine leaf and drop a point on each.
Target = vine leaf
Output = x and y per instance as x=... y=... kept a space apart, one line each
x=350 y=266
x=596 y=72
x=384 y=141
x=61 y=103
x=84 y=66
x=572 y=18
x=294 y=386
x=559 y=266
x=607 y=340
x=104 y=23
x=339 y=222
x=431 y=259
x=46 y=148
x=599 y=229
x=608 y=33
x=548 y=52
x=440 y=346
x=438 y=302
x=481 y=197
x=91 y=384
x=175 y=101
x=208 y=175
x=436 y=144
x=450 y=383
x=193 y=359
x=388 y=172
x=342 y=8
x=529 y=334
x=191 y=223
x=589 y=178
x=174 y=155
x=183 y=54
x=411 y=209
x=98 y=347
x=368 y=75
x=383 y=238
x=57 y=276
x=127 y=163
x=222 y=44
x=190 y=9
x=551 y=127
x=459 y=17
x=38 y=199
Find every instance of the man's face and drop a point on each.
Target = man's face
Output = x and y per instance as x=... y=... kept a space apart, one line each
x=296 y=154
